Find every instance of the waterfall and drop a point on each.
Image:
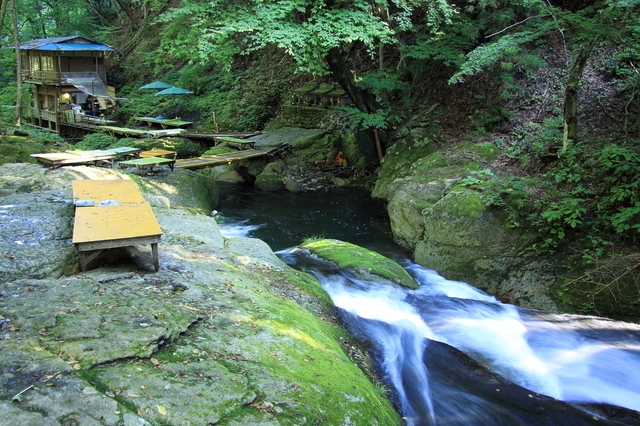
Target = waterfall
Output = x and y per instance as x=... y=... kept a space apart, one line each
x=457 y=356
x=453 y=355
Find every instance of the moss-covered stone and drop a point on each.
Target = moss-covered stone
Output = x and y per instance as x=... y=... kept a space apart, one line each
x=269 y=183
x=454 y=227
x=486 y=152
x=365 y=263
x=184 y=188
x=399 y=162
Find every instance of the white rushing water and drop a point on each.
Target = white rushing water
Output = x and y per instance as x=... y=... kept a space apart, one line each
x=570 y=358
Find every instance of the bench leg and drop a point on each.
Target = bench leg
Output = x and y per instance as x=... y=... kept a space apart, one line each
x=154 y=254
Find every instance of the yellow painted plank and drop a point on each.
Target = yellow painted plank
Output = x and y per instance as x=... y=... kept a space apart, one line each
x=122 y=191
x=106 y=223
x=158 y=153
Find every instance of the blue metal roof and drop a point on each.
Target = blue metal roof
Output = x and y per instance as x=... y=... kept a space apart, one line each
x=73 y=47
x=67 y=43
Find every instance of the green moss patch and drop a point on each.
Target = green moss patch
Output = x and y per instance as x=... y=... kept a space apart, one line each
x=362 y=261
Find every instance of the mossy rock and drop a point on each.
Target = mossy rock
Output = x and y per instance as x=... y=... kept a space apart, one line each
x=400 y=161
x=365 y=263
x=484 y=151
x=183 y=188
x=269 y=183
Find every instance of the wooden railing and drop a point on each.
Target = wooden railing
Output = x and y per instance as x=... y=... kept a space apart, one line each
x=46 y=77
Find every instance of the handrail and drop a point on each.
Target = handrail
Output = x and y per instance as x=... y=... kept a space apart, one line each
x=42 y=76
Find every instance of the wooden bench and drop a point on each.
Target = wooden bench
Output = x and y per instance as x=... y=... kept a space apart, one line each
x=163 y=122
x=113 y=214
x=75 y=157
x=166 y=132
x=157 y=152
x=241 y=144
x=148 y=163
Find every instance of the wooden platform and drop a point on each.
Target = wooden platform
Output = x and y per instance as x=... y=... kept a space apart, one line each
x=113 y=214
x=239 y=143
x=163 y=122
x=219 y=160
x=157 y=152
x=113 y=130
x=165 y=133
x=212 y=136
x=75 y=157
x=147 y=163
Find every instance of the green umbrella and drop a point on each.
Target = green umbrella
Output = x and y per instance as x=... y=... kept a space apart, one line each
x=173 y=91
x=156 y=85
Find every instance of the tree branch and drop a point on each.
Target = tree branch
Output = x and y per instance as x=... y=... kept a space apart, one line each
x=516 y=24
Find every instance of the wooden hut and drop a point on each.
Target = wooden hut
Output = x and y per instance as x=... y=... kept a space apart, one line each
x=65 y=70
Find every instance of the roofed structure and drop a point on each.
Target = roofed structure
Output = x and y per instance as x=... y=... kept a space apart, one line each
x=314 y=94
x=68 y=43
x=65 y=70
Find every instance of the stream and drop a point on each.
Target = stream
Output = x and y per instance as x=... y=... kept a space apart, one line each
x=452 y=354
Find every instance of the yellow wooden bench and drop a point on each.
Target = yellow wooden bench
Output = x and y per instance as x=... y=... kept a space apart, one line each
x=113 y=214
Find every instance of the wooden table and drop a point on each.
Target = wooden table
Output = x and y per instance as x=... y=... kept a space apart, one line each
x=58 y=159
x=120 y=190
x=164 y=132
x=148 y=162
x=113 y=214
x=237 y=142
x=163 y=122
x=157 y=152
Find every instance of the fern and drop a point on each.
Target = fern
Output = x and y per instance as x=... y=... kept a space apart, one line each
x=487 y=55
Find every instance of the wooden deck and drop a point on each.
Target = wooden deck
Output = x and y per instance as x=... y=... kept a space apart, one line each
x=113 y=214
x=113 y=130
x=75 y=157
x=212 y=136
x=147 y=163
x=163 y=122
x=219 y=160
x=239 y=143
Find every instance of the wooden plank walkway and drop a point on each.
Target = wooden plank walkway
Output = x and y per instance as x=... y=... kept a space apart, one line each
x=113 y=214
x=112 y=130
x=239 y=143
x=220 y=160
x=212 y=136
x=163 y=122
x=58 y=159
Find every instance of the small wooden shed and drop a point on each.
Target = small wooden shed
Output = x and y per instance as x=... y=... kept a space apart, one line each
x=327 y=95
x=65 y=70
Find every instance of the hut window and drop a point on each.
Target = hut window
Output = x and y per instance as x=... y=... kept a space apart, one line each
x=47 y=63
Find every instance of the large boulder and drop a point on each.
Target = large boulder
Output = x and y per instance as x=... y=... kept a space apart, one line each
x=453 y=227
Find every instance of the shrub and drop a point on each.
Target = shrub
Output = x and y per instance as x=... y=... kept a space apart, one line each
x=96 y=141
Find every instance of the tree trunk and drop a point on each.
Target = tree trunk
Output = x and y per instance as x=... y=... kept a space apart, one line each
x=3 y=9
x=18 y=65
x=360 y=98
x=571 y=96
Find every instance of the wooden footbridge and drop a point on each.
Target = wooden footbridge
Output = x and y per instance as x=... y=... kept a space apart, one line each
x=234 y=157
x=156 y=157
